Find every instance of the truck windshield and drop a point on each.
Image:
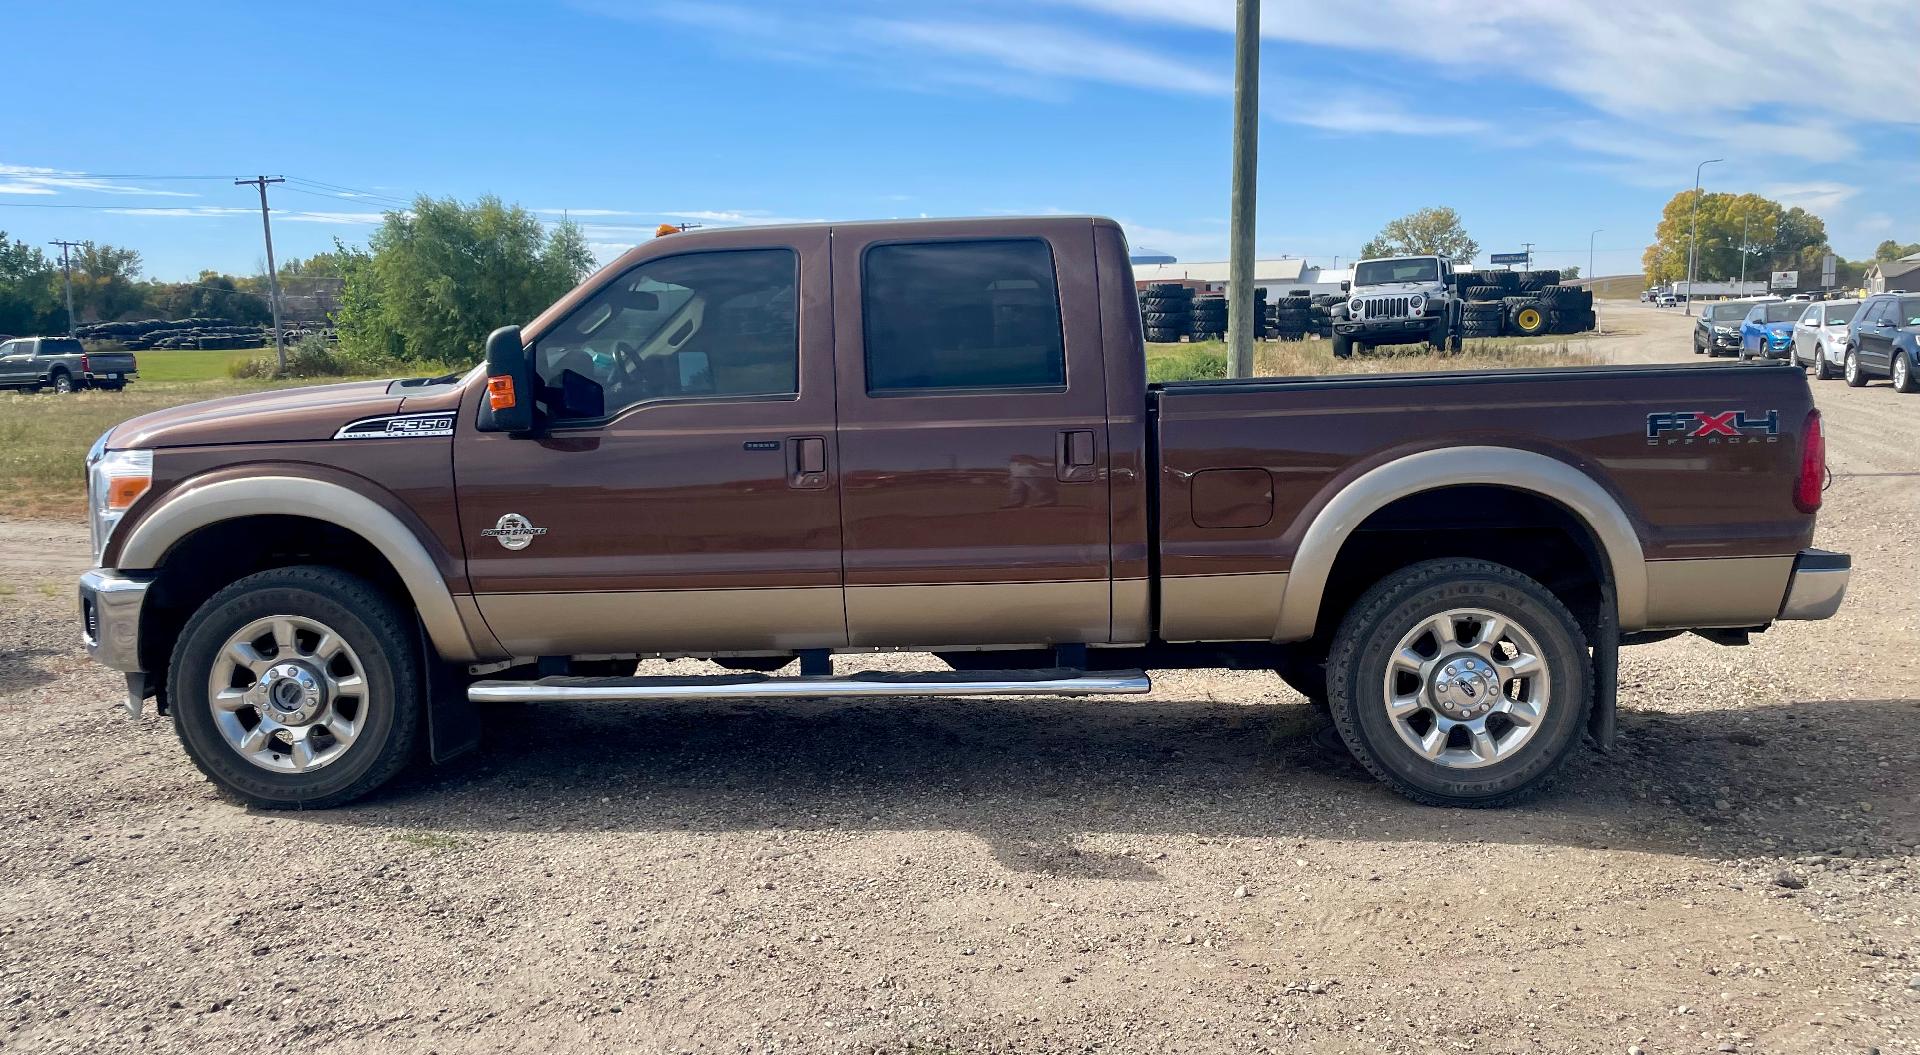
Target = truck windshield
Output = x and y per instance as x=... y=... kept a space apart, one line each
x=1382 y=272
x=1729 y=312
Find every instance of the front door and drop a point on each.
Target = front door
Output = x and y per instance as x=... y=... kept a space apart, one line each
x=16 y=362
x=973 y=439
x=697 y=506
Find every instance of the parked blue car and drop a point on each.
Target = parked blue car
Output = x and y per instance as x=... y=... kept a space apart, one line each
x=1767 y=331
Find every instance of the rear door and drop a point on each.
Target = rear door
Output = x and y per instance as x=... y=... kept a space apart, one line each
x=973 y=436
x=1872 y=334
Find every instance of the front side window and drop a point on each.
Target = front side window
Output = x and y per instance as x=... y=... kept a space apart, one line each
x=703 y=325
x=1871 y=311
x=962 y=315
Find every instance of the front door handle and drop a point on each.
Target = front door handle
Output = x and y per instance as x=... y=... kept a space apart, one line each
x=807 y=462
x=1076 y=456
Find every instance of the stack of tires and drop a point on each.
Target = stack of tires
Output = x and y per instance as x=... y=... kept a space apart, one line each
x=1481 y=318
x=1293 y=315
x=1569 y=309
x=1321 y=309
x=1209 y=317
x=1166 y=311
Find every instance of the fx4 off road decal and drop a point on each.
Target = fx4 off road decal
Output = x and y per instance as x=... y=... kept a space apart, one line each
x=395 y=426
x=1702 y=426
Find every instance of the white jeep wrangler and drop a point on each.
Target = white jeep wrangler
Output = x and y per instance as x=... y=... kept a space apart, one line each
x=1399 y=300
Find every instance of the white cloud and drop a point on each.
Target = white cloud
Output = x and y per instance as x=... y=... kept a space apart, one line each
x=52 y=181
x=1816 y=196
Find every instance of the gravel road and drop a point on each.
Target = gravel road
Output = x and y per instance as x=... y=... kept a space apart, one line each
x=1188 y=872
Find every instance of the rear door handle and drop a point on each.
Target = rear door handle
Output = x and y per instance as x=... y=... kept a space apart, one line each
x=1077 y=456
x=807 y=462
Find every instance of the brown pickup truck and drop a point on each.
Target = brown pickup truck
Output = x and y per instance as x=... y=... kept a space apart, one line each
x=766 y=446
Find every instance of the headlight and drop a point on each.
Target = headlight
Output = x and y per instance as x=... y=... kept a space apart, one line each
x=1417 y=304
x=114 y=480
x=1356 y=307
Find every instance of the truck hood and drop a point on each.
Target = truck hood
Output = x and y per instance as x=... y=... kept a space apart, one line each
x=279 y=416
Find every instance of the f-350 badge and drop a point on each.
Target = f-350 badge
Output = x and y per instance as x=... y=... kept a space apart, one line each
x=514 y=531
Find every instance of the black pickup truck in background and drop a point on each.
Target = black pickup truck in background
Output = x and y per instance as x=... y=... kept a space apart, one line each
x=62 y=364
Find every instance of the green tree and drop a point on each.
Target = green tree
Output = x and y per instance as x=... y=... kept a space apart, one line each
x=1892 y=250
x=1774 y=237
x=443 y=275
x=1436 y=230
x=29 y=290
x=105 y=282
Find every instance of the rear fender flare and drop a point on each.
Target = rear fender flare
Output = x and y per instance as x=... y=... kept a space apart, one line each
x=1431 y=470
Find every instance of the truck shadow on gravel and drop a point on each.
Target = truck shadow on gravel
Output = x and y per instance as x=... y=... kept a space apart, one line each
x=1042 y=781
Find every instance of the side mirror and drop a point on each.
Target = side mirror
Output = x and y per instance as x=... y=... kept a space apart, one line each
x=510 y=384
x=1346 y=286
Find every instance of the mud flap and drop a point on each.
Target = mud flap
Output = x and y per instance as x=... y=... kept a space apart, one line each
x=453 y=723
x=1602 y=719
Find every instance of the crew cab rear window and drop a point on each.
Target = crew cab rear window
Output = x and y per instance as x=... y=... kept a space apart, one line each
x=721 y=324
x=962 y=315
x=59 y=346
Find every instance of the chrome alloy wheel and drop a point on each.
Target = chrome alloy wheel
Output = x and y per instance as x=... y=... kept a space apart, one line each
x=1466 y=688
x=288 y=693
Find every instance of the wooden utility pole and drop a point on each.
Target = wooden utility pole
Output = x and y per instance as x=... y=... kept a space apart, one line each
x=1242 y=325
x=273 y=274
x=66 y=272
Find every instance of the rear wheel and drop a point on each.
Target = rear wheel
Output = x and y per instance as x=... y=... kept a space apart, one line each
x=297 y=688
x=1903 y=374
x=1460 y=683
x=62 y=382
x=1856 y=377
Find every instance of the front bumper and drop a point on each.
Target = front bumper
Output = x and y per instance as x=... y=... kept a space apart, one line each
x=1418 y=324
x=110 y=604
x=1729 y=341
x=1818 y=584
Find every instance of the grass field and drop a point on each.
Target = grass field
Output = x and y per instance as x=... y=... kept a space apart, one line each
x=181 y=365
x=44 y=437
x=1208 y=359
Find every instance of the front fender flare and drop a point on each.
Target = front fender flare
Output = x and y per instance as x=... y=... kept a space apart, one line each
x=200 y=505
x=1431 y=470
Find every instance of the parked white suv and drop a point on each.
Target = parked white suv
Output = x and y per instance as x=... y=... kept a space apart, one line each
x=1399 y=300
x=1820 y=337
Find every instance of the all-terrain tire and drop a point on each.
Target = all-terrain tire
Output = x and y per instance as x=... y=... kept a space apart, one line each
x=1363 y=649
x=1486 y=293
x=1342 y=346
x=379 y=632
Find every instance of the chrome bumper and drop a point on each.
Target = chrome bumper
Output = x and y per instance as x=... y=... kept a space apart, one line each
x=110 y=604
x=1818 y=585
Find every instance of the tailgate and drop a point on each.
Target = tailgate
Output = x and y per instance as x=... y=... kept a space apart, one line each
x=99 y=363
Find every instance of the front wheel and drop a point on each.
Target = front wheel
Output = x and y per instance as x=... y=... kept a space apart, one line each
x=1342 y=346
x=1460 y=683
x=1822 y=370
x=297 y=688
x=1903 y=374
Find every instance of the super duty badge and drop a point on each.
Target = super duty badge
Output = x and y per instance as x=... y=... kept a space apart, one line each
x=395 y=426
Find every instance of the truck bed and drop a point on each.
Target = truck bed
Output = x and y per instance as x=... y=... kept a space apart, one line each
x=1247 y=466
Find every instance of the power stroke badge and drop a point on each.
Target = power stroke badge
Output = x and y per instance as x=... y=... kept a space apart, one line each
x=1701 y=426
x=513 y=531
x=398 y=426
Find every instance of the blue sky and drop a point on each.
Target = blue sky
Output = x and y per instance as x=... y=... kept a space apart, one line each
x=1540 y=120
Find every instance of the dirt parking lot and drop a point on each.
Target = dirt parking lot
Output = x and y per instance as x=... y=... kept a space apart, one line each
x=1188 y=872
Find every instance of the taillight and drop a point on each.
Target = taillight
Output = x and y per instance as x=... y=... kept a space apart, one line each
x=1813 y=466
x=83 y=363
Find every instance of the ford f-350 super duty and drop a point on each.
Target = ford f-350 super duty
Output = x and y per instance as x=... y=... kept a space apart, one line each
x=767 y=446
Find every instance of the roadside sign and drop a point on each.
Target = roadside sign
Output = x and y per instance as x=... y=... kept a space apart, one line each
x=1508 y=258
x=1827 y=280
x=1786 y=280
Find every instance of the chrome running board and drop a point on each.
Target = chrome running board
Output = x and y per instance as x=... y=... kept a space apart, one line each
x=761 y=686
